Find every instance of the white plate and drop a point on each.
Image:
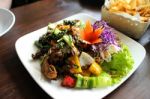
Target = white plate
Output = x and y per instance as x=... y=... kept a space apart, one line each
x=25 y=47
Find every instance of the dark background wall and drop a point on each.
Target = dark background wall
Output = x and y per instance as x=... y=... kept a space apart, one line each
x=16 y=3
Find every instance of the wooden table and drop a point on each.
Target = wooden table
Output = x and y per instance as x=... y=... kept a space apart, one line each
x=16 y=83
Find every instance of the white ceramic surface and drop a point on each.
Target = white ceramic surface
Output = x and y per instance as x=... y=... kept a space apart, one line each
x=7 y=20
x=25 y=47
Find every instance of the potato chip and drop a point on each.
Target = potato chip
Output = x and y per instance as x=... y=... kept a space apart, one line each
x=132 y=7
x=147 y=15
x=144 y=10
x=139 y=2
x=128 y=1
x=133 y=4
x=131 y=12
x=144 y=19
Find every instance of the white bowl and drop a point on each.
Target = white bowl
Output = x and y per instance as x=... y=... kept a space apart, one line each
x=7 y=20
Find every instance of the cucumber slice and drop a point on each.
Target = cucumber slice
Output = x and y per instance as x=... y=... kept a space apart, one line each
x=103 y=80
x=79 y=81
x=85 y=82
x=92 y=82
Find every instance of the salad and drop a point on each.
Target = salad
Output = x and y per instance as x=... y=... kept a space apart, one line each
x=82 y=54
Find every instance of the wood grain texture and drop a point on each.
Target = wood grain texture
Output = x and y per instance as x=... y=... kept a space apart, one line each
x=16 y=83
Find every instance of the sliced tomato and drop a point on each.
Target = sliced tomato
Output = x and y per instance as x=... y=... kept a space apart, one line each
x=68 y=81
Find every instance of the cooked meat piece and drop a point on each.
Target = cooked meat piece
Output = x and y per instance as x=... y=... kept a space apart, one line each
x=48 y=70
x=38 y=55
x=55 y=56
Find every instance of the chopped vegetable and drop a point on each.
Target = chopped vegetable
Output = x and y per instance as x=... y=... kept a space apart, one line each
x=76 y=67
x=69 y=41
x=107 y=35
x=90 y=35
x=57 y=31
x=100 y=81
x=68 y=81
x=95 y=69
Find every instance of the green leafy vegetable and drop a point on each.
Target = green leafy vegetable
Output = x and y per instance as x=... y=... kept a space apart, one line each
x=120 y=65
x=42 y=46
x=69 y=22
x=80 y=24
x=68 y=40
x=57 y=31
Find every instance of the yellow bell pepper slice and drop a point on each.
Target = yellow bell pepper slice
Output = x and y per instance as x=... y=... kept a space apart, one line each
x=77 y=67
x=95 y=68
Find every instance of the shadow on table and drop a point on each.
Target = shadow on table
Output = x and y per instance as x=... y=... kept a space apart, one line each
x=147 y=47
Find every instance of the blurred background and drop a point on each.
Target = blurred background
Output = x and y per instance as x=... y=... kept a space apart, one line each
x=95 y=3
x=16 y=3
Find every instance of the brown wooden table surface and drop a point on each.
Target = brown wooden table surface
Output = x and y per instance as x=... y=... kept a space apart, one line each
x=16 y=83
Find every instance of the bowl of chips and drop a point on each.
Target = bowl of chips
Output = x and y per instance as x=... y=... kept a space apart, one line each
x=131 y=17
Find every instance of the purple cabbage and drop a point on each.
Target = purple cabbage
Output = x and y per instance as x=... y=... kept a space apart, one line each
x=107 y=36
x=100 y=23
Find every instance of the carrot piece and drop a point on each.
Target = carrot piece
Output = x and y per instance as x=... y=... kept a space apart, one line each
x=96 y=34
x=88 y=28
x=99 y=31
x=90 y=35
x=96 y=41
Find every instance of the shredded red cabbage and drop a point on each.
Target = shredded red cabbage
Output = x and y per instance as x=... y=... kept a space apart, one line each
x=101 y=23
x=107 y=35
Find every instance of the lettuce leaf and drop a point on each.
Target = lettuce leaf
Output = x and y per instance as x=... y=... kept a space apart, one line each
x=120 y=64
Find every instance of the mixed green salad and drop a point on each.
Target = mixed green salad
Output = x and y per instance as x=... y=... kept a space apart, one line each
x=83 y=55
